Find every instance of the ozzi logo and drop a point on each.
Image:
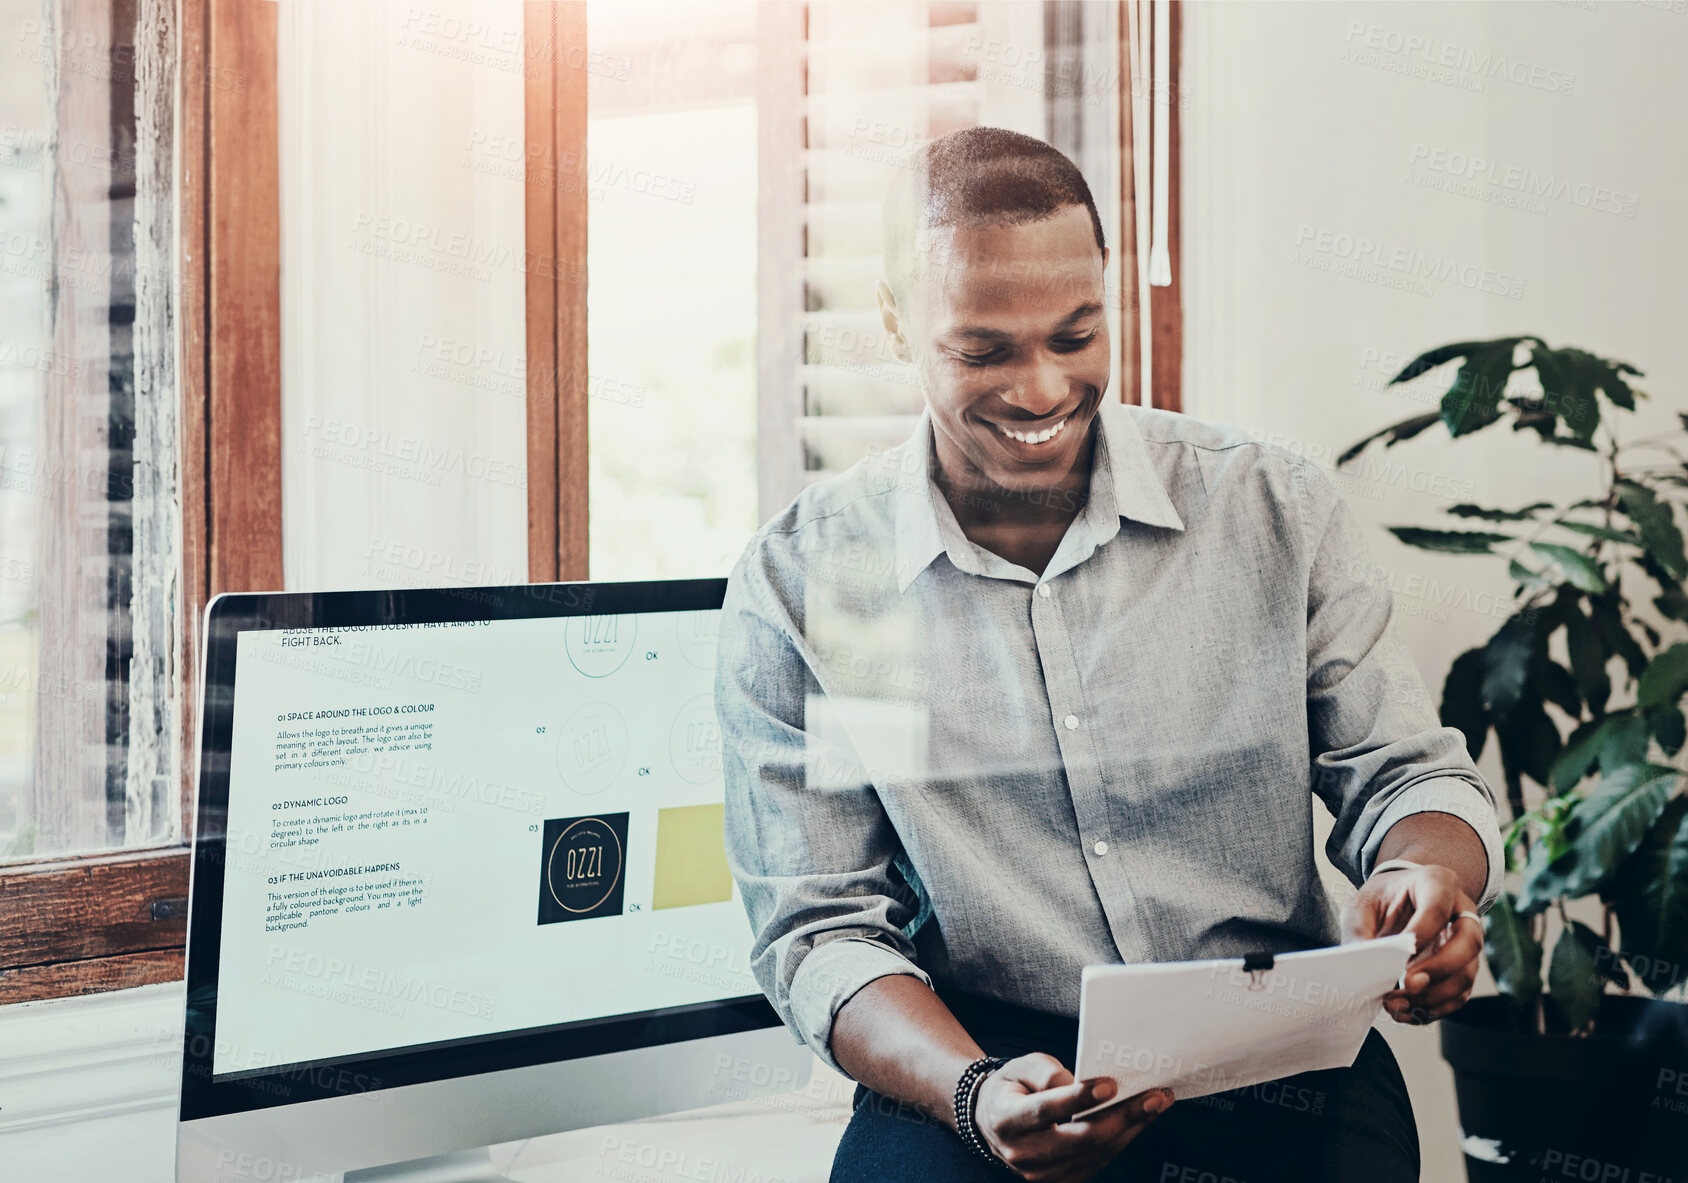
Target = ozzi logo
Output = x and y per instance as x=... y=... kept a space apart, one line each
x=581 y=864
x=697 y=634
x=694 y=743
x=599 y=645
x=592 y=747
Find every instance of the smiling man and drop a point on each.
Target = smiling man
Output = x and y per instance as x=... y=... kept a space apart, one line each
x=1056 y=682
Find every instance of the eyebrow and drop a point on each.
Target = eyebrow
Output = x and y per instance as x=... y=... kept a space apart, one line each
x=983 y=334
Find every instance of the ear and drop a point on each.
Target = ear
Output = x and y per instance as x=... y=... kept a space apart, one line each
x=892 y=318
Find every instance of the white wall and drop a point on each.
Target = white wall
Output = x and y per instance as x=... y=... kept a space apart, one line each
x=1289 y=138
x=1307 y=122
x=404 y=456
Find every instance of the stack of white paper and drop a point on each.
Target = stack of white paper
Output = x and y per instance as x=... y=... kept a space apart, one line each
x=1200 y=1027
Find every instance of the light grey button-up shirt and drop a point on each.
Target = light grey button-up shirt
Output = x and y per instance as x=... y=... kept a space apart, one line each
x=942 y=764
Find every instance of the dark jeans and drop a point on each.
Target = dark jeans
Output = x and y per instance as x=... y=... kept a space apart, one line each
x=1342 y=1124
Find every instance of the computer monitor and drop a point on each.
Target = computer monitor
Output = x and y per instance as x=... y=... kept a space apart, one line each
x=459 y=878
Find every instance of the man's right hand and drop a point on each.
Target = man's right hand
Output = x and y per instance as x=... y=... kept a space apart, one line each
x=1022 y=1111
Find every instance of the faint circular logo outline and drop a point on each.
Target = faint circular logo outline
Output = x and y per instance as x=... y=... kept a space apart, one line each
x=677 y=755
x=692 y=649
x=565 y=736
x=581 y=656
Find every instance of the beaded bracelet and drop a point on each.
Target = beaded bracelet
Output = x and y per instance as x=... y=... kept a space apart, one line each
x=966 y=1100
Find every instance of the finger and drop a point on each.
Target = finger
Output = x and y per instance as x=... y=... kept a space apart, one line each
x=1359 y=920
x=1458 y=952
x=1036 y=1071
x=1435 y=901
x=1420 y=1015
x=1395 y=915
x=1444 y=998
x=1038 y=1111
x=1098 y=1138
x=1453 y=988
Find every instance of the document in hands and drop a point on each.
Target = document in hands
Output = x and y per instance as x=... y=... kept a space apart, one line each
x=1200 y=1027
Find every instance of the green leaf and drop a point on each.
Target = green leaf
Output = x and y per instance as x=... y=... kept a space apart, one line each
x=1396 y=432
x=1529 y=580
x=1673 y=603
x=1570 y=441
x=1606 y=532
x=1657 y=526
x=1459 y=542
x=1583 y=372
x=1588 y=660
x=1623 y=741
x=1566 y=395
x=1462 y=700
x=1473 y=401
x=1514 y=953
x=1529 y=742
x=1611 y=743
x=1604 y=611
x=1567 y=390
x=1670 y=729
x=1572 y=977
x=1555 y=684
x=1606 y=376
x=1577 y=757
x=1497 y=515
x=1441 y=355
x=1506 y=665
x=1650 y=896
x=1582 y=572
x=1665 y=679
x=1602 y=831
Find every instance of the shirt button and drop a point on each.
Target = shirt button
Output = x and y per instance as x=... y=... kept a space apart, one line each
x=1043 y=590
x=1072 y=722
x=1100 y=847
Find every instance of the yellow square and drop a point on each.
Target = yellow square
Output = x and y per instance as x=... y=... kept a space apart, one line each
x=691 y=857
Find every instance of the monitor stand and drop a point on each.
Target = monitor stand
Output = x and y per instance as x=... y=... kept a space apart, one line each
x=460 y=1166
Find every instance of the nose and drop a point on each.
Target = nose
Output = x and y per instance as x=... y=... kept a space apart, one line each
x=1038 y=388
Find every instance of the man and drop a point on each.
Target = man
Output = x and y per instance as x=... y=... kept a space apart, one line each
x=1048 y=685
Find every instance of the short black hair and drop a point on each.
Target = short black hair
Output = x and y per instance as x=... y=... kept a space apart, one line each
x=978 y=175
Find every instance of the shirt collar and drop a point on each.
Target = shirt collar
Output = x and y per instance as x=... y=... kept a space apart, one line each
x=1123 y=484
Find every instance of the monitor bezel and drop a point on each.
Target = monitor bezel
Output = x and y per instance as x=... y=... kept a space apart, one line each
x=226 y=617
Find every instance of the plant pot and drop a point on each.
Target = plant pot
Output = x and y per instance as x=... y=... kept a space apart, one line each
x=1611 y=1108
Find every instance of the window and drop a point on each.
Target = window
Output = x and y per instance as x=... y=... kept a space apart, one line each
x=671 y=287
x=610 y=264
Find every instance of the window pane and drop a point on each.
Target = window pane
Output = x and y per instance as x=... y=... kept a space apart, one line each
x=671 y=260
x=87 y=435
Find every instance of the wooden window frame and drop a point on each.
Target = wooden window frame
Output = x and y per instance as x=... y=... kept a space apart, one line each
x=1166 y=306
x=107 y=921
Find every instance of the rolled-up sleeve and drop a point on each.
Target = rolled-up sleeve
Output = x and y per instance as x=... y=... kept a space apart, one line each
x=808 y=841
x=1379 y=750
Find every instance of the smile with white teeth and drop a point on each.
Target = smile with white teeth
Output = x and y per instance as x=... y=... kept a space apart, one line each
x=1041 y=437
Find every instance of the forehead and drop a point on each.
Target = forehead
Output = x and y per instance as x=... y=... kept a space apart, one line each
x=1028 y=270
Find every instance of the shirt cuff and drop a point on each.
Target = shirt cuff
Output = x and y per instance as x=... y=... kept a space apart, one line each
x=1453 y=796
x=826 y=979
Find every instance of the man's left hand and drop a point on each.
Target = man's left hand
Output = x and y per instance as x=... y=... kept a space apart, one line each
x=1426 y=901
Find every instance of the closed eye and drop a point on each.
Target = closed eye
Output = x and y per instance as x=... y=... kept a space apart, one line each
x=1059 y=344
x=1073 y=344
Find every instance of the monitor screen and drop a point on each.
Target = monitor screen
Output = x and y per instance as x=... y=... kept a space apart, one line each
x=440 y=832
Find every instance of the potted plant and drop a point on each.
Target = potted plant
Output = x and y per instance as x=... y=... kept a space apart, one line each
x=1587 y=1078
